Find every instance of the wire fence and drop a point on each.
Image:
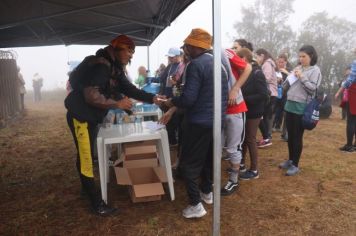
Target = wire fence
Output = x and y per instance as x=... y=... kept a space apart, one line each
x=9 y=90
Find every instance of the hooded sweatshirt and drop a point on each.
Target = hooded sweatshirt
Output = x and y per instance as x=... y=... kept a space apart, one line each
x=269 y=70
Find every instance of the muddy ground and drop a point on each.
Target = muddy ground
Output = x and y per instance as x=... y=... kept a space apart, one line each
x=40 y=189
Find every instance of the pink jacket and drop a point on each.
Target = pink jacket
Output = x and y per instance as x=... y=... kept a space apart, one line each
x=269 y=70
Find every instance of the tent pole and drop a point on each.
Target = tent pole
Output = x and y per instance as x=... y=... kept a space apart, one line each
x=148 y=58
x=217 y=115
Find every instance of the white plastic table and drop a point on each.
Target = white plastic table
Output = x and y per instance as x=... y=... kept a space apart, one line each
x=131 y=132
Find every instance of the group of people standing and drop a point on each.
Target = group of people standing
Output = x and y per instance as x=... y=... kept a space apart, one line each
x=250 y=94
x=250 y=84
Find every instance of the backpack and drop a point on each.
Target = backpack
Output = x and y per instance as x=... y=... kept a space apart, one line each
x=311 y=114
x=76 y=77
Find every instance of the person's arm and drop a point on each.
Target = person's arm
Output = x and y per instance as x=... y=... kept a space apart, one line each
x=310 y=82
x=99 y=76
x=130 y=90
x=341 y=90
x=239 y=83
x=95 y=98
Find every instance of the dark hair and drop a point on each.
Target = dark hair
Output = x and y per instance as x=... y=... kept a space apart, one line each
x=310 y=50
x=245 y=52
x=244 y=44
x=266 y=54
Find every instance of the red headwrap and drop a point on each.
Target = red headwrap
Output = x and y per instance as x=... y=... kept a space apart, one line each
x=123 y=41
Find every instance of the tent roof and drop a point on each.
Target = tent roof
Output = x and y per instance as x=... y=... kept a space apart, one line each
x=89 y=22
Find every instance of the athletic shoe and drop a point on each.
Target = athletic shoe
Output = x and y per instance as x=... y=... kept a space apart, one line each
x=196 y=211
x=229 y=188
x=207 y=197
x=347 y=148
x=249 y=175
x=286 y=164
x=264 y=143
x=293 y=170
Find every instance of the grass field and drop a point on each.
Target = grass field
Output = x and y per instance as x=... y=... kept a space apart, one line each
x=40 y=189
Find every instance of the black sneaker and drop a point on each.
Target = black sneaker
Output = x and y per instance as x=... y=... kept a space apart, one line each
x=347 y=148
x=249 y=175
x=229 y=188
x=104 y=210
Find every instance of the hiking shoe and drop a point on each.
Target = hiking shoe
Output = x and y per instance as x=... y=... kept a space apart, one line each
x=249 y=175
x=286 y=164
x=347 y=148
x=229 y=188
x=207 y=197
x=264 y=143
x=104 y=210
x=293 y=170
x=196 y=211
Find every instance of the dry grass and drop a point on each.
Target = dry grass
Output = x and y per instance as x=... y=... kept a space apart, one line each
x=40 y=190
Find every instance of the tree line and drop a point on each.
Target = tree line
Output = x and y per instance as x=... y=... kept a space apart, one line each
x=265 y=25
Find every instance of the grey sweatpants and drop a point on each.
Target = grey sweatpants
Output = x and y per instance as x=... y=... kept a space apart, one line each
x=233 y=136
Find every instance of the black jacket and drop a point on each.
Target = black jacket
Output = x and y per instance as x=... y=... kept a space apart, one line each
x=98 y=83
x=255 y=92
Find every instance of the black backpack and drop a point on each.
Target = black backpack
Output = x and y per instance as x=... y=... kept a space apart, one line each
x=77 y=76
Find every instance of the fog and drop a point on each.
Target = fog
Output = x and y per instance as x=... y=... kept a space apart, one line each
x=51 y=62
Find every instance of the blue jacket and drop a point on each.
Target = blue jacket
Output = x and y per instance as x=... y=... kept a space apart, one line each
x=198 y=94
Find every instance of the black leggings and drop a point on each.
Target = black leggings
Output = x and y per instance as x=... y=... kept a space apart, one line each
x=350 y=127
x=295 y=136
x=84 y=135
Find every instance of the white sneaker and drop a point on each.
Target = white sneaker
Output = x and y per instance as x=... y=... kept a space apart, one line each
x=207 y=197
x=196 y=211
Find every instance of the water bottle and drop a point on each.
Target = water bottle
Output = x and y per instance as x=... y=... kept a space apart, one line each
x=280 y=91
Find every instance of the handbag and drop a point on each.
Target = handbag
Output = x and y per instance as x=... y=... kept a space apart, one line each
x=311 y=112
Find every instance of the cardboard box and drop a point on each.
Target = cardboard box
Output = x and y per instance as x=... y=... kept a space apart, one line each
x=138 y=161
x=139 y=154
x=145 y=184
x=140 y=147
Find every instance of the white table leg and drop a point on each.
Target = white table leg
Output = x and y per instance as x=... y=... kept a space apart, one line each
x=164 y=149
x=105 y=177
x=99 y=145
x=107 y=155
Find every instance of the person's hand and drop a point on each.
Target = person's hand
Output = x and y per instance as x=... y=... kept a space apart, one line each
x=284 y=71
x=158 y=99
x=166 y=117
x=124 y=104
x=173 y=81
x=233 y=96
x=337 y=95
x=298 y=73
